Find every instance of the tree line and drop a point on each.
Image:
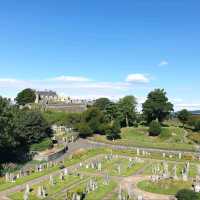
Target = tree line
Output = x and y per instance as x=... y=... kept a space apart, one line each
x=21 y=127
x=108 y=117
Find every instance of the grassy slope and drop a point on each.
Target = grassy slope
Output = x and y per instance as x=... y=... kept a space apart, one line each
x=170 y=138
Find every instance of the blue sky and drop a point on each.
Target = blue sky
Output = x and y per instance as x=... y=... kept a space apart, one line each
x=96 y=48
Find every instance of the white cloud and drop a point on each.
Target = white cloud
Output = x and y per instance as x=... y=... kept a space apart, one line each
x=71 y=78
x=163 y=63
x=137 y=78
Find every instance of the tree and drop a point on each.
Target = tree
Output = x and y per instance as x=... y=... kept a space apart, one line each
x=157 y=106
x=30 y=127
x=113 y=131
x=184 y=116
x=127 y=110
x=186 y=194
x=155 y=128
x=84 y=130
x=93 y=117
x=7 y=140
x=25 y=96
x=111 y=112
x=197 y=125
x=102 y=103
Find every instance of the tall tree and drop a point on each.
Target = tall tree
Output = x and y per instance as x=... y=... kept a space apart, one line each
x=111 y=112
x=25 y=96
x=7 y=140
x=157 y=106
x=102 y=103
x=184 y=116
x=127 y=109
x=30 y=127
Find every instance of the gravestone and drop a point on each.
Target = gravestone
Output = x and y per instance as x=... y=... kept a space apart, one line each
x=26 y=195
x=138 y=151
x=175 y=177
x=163 y=155
x=66 y=171
x=51 y=180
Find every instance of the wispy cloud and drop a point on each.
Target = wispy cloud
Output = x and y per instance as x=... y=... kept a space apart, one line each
x=74 y=85
x=163 y=63
x=137 y=78
x=71 y=78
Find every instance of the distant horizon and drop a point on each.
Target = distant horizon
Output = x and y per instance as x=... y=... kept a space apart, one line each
x=102 y=48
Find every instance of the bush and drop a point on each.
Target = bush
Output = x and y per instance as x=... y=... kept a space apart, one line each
x=186 y=194
x=84 y=130
x=197 y=125
x=113 y=131
x=155 y=128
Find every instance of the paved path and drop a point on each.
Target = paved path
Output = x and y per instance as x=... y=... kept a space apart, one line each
x=115 y=146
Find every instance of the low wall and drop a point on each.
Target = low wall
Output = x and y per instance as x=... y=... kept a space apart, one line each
x=50 y=157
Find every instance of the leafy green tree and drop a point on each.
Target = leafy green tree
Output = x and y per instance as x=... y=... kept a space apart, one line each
x=111 y=112
x=7 y=140
x=157 y=106
x=84 y=130
x=93 y=117
x=197 y=125
x=155 y=128
x=113 y=131
x=186 y=194
x=30 y=127
x=127 y=110
x=184 y=116
x=25 y=96
x=102 y=103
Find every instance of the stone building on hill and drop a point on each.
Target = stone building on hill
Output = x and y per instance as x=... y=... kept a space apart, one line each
x=46 y=96
x=49 y=100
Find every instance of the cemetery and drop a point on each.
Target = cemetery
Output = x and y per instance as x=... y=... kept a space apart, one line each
x=104 y=173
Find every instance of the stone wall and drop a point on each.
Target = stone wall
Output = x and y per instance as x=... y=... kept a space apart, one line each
x=50 y=157
x=67 y=107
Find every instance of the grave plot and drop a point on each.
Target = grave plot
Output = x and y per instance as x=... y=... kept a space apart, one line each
x=114 y=165
x=193 y=169
x=51 y=188
x=94 y=188
x=168 y=178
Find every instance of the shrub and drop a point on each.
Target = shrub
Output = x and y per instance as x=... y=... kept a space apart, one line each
x=186 y=194
x=113 y=131
x=84 y=130
x=155 y=128
x=197 y=125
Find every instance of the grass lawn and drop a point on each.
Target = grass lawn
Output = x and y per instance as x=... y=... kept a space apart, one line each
x=168 y=187
x=170 y=138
